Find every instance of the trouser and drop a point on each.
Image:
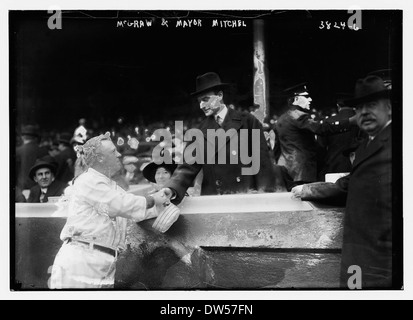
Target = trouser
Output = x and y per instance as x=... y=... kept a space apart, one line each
x=77 y=266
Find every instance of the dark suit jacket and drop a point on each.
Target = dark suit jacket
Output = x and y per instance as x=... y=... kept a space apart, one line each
x=298 y=145
x=334 y=160
x=227 y=178
x=26 y=156
x=55 y=189
x=367 y=238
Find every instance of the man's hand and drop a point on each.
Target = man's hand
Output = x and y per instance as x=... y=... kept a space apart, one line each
x=161 y=198
x=168 y=193
x=166 y=218
x=296 y=192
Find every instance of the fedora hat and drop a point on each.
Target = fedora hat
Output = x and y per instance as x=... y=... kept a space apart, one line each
x=385 y=74
x=45 y=162
x=30 y=130
x=368 y=89
x=208 y=81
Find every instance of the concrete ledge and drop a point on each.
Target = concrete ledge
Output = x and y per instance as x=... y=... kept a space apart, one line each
x=207 y=249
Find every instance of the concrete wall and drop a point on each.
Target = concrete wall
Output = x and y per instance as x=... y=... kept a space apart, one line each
x=232 y=249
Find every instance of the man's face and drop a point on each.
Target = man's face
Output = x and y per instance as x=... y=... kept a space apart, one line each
x=110 y=156
x=303 y=101
x=43 y=177
x=372 y=116
x=210 y=103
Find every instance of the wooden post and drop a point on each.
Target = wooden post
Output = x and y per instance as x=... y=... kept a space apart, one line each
x=260 y=84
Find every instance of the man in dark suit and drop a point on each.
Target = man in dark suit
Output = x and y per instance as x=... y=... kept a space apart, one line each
x=26 y=156
x=367 y=250
x=224 y=172
x=43 y=173
x=367 y=238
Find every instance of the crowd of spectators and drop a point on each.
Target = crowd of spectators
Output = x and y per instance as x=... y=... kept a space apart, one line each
x=134 y=142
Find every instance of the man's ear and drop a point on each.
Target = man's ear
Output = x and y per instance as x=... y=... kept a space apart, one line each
x=220 y=95
x=389 y=107
x=99 y=157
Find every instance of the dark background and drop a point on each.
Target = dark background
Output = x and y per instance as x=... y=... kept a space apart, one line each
x=93 y=69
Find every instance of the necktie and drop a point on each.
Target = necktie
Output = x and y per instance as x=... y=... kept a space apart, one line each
x=369 y=141
x=219 y=120
x=42 y=196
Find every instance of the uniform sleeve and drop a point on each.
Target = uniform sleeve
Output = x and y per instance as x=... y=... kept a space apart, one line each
x=113 y=202
x=322 y=127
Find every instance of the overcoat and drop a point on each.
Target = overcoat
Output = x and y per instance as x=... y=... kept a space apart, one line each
x=367 y=227
x=367 y=235
x=226 y=178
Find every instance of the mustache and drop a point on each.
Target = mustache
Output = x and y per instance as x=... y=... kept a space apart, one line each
x=367 y=118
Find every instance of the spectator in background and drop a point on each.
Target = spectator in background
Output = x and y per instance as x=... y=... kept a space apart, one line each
x=297 y=131
x=129 y=162
x=26 y=156
x=158 y=174
x=43 y=174
x=81 y=131
x=334 y=161
x=65 y=159
x=76 y=141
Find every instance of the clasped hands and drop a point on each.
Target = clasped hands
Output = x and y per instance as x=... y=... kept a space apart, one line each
x=168 y=213
x=297 y=192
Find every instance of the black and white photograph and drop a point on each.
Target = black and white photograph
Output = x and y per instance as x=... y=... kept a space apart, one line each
x=188 y=151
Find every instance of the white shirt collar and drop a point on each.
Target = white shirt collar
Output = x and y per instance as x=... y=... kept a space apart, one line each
x=222 y=114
